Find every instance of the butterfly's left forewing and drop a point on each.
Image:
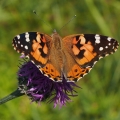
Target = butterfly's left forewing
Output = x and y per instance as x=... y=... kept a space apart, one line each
x=35 y=45
x=87 y=49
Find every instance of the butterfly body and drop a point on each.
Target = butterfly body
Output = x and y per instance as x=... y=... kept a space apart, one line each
x=72 y=56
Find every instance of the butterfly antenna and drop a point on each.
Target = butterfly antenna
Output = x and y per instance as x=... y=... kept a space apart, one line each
x=42 y=19
x=67 y=22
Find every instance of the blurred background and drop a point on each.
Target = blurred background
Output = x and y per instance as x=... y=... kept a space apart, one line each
x=99 y=98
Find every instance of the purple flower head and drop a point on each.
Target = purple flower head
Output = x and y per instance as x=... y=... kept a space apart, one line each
x=40 y=88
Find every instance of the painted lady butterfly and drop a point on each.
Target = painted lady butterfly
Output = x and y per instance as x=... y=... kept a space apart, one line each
x=71 y=57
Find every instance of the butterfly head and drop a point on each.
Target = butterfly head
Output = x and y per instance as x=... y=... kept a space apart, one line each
x=55 y=34
x=54 y=31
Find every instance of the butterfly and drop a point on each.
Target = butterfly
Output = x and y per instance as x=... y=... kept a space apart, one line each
x=72 y=56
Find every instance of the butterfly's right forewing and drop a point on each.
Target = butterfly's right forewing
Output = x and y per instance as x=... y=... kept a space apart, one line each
x=89 y=48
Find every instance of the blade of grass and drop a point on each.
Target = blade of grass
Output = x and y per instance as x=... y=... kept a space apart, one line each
x=98 y=17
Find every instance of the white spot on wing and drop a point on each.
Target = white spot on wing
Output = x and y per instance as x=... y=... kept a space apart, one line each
x=27 y=56
x=27 y=39
x=85 y=74
x=18 y=51
x=97 y=37
x=106 y=46
x=100 y=57
x=109 y=38
x=14 y=48
x=70 y=80
x=111 y=52
x=97 y=41
x=26 y=35
x=26 y=47
x=106 y=54
x=32 y=61
x=41 y=71
x=95 y=62
x=77 y=79
x=18 y=36
x=101 y=48
x=58 y=81
x=91 y=68
x=109 y=44
x=38 y=66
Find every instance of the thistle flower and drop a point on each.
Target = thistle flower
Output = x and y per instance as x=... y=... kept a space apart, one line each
x=40 y=88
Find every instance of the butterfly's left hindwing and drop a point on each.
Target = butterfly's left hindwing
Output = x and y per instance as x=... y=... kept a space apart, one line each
x=35 y=45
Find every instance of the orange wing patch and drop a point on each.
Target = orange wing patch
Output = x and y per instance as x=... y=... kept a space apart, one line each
x=36 y=54
x=77 y=72
x=83 y=51
x=50 y=71
x=88 y=55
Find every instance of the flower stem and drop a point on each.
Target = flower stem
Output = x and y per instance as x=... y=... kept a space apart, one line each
x=13 y=95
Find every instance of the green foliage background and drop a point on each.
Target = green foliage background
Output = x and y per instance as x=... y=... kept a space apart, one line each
x=99 y=98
